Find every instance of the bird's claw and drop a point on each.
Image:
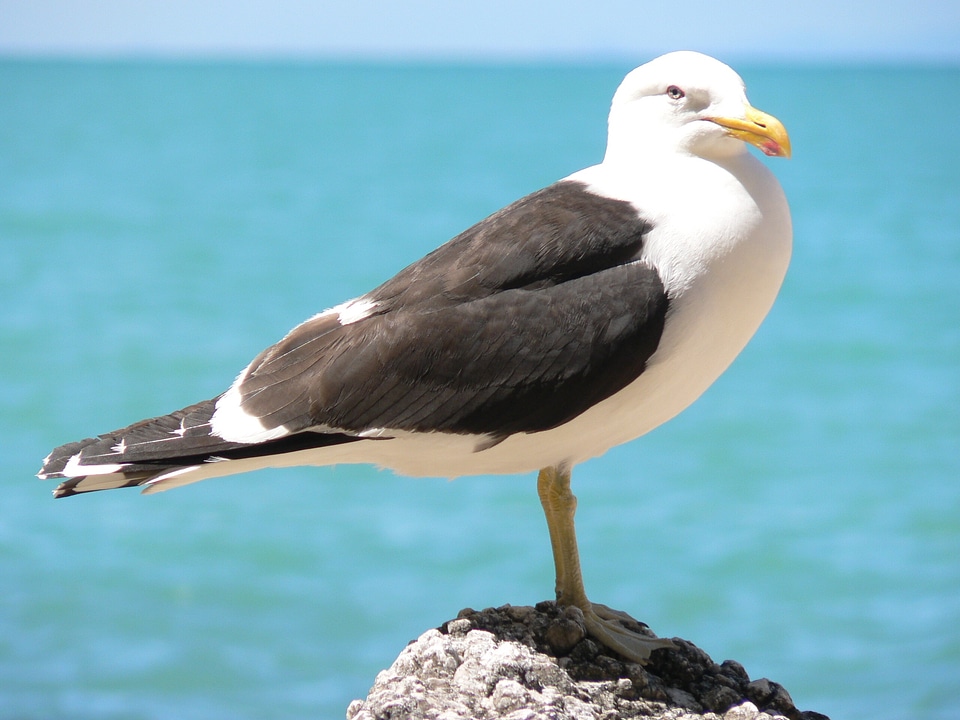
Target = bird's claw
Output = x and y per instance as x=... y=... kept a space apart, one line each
x=605 y=625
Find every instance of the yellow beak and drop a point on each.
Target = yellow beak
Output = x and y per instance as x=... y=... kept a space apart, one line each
x=759 y=129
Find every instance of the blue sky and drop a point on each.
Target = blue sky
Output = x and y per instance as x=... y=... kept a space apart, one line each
x=514 y=29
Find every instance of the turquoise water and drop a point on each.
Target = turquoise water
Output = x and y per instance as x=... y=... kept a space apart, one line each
x=161 y=223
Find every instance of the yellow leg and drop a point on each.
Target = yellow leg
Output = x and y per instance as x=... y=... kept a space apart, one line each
x=559 y=507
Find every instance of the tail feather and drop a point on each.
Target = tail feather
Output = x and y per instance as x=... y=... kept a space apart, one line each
x=166 y=448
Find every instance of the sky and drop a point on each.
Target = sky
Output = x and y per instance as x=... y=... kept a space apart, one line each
x=858 y=30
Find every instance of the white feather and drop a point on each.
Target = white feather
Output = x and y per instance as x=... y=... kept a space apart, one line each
x=234 y=424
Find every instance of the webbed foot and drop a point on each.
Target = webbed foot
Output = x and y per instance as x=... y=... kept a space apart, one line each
x=605 y=625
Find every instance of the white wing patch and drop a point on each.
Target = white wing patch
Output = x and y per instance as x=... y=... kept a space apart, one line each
x=180 y=431
x=355 y=310
x=350 y=311
x=234 y=424
x=73 y=468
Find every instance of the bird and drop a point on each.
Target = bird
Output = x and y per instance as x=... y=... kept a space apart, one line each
x=573 y=320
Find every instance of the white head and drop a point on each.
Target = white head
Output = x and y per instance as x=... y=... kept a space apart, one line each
x=690 y=103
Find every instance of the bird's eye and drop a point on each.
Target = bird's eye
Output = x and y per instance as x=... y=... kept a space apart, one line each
x=675 y=93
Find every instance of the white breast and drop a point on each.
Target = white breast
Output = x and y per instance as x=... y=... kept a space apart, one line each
x=721 y=240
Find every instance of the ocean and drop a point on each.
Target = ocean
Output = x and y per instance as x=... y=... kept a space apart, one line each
x=161 y=222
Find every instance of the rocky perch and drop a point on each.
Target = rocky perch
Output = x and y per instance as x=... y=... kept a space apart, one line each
x=524 y=663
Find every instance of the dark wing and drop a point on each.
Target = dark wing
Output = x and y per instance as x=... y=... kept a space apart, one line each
x=517 y=325
x=556 y=234
x=181 y=438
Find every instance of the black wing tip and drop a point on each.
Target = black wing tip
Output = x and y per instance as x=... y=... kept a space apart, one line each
x=62 y=491
x=74 y=486
x=67 y=488
x=56 y=461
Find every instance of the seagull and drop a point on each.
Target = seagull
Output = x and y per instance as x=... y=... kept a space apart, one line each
x=578 y=318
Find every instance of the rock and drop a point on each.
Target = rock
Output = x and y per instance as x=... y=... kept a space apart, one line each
x=524 y=663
